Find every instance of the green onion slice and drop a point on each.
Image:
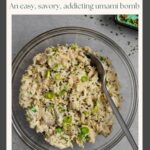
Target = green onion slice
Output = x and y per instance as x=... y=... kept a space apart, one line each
x=49 y=95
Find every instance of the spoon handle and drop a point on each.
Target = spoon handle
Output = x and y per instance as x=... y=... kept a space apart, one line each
x=120 y=119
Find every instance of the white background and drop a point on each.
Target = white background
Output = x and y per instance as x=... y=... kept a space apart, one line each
x=10 y=11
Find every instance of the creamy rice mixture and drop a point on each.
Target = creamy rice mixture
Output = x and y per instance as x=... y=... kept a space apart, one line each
x=63 y=97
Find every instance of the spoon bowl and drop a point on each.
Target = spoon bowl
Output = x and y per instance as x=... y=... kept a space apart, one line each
x=101 y=72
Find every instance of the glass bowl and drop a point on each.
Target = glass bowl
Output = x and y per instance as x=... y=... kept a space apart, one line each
x=83 y=37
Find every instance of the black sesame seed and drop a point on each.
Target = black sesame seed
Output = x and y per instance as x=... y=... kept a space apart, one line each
x=119 y=28
x=128 y=42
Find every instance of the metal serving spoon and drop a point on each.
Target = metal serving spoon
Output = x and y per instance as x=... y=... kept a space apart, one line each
x=96 y=62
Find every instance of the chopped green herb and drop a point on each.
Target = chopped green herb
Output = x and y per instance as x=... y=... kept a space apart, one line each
x=49 y=95
x=33 y=109
x=30 y=93
x=102 y=58
x=66 y=87
x=54 y=49
x=58 y=76
x=51 y=106
x=58 y=130
x=48 y=72
x=57 y=67
x=84 y=78
x=96 y=108
x=130 y=21
x=86 y=113
x=87 y=138
x=67 y=120
x=81 y=136
x=61 y=108
x=62 y=92
x=74 y=46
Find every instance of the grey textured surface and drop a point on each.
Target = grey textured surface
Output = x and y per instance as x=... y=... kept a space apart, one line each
x=24 y=28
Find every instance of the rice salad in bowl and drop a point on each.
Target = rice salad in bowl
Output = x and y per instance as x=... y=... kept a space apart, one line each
x=63 y=98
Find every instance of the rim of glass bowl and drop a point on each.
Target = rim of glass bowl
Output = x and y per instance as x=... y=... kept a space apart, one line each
x=87 y=32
